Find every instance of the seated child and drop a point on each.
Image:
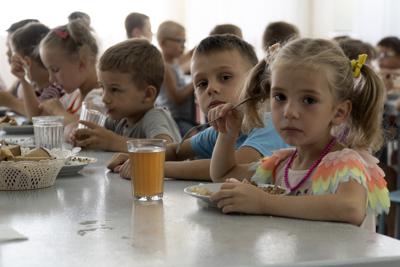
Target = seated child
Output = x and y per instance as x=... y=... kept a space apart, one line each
x=15 y=89
x=131 y=74
x=278 y=32
x=138 y=25
x=227 y=29
x=175 y=93
x=330 y=109
x=220 y=66
x=69 y=53
x=27 y=66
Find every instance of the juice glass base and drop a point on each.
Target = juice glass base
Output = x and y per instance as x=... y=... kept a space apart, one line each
x=149 y=198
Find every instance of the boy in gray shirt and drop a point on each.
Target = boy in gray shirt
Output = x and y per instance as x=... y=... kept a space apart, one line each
x=130 y=73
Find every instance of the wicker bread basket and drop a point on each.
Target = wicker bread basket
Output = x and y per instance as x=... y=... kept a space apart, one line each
x=25 y=175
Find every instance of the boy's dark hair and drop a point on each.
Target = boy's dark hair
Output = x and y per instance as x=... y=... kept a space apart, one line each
x=224 y=42
x=391 y=42
x=227 y=28
x=15 y=26
x=134 y=20
x=352 y=48
x=278 y=32
x=138 y=58
x=26 y=40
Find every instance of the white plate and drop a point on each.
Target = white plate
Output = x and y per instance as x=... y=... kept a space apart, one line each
x=17 y=129
x=74 y=165
x=214 y=187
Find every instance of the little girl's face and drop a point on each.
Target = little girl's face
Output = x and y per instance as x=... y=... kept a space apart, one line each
x=302 y=105
x=63 y=70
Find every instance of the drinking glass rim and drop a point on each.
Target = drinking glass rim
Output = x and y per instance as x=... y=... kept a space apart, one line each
x=47 y=119
x=147 y=140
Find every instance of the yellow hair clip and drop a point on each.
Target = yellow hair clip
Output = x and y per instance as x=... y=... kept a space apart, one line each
x=357 y=64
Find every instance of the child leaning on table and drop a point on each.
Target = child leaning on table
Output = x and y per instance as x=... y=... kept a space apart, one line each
x=330 y=109
x=131 y=73
x=219 y=68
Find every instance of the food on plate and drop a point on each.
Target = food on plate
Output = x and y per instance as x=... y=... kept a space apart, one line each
x=8 y=120
x=270 y=188
x=200 y=190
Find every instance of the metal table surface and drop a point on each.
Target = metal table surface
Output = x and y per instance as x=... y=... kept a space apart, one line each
x=91 y=220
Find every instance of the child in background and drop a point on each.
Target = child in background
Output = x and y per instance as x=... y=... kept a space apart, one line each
x=227 y=29
x=69 y=53
x=138 y=25
x=131 y=74
x=220 y=66
x=353 y=47
x=279 y=32
x=175 y=93
x=389 y=63
x=330 y=109
x=30 y=71
x=80 y=15
x=15 y=88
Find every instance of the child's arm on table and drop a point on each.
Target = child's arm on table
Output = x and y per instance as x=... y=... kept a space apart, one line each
x=348 y=204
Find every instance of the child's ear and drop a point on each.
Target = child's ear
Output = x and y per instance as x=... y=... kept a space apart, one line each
x=150 y=94
x=342 y=112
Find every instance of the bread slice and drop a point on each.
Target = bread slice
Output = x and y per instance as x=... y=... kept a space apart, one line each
x=14 y=149
x=5 y=154
x=38 y=153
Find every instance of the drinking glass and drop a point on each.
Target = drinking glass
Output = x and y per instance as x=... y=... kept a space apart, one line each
x=48 y=131
x=91 y=115
x=147 y=158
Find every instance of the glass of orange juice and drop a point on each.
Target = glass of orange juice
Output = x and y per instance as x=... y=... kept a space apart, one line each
x=147 y=158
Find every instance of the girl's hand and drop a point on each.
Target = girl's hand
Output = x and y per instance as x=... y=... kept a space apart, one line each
x=17 y=67
x=52 y=106
x=228 y=120
x=95 y=137
x=240 y=197
x=116 y=161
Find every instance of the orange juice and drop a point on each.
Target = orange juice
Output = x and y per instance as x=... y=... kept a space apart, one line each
x=148 y=171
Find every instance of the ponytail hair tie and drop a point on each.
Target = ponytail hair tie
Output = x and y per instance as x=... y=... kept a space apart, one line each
x=62 y=34
x=356 y=65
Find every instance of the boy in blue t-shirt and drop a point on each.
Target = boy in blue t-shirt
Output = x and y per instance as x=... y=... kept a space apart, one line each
x=220 y=65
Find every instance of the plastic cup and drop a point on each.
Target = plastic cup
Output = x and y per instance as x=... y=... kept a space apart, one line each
x=147 y=158
x=48 y=131
x=91 y=115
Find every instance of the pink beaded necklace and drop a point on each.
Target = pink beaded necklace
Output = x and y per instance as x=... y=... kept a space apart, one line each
x=325 y=151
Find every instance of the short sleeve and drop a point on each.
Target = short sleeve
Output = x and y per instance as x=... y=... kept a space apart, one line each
x=158 y=121
x=203 y=143
x=345 y=165
x=266 y=167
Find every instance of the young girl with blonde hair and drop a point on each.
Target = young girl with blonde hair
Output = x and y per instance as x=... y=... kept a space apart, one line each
x=329 y=109
x=69 y=53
